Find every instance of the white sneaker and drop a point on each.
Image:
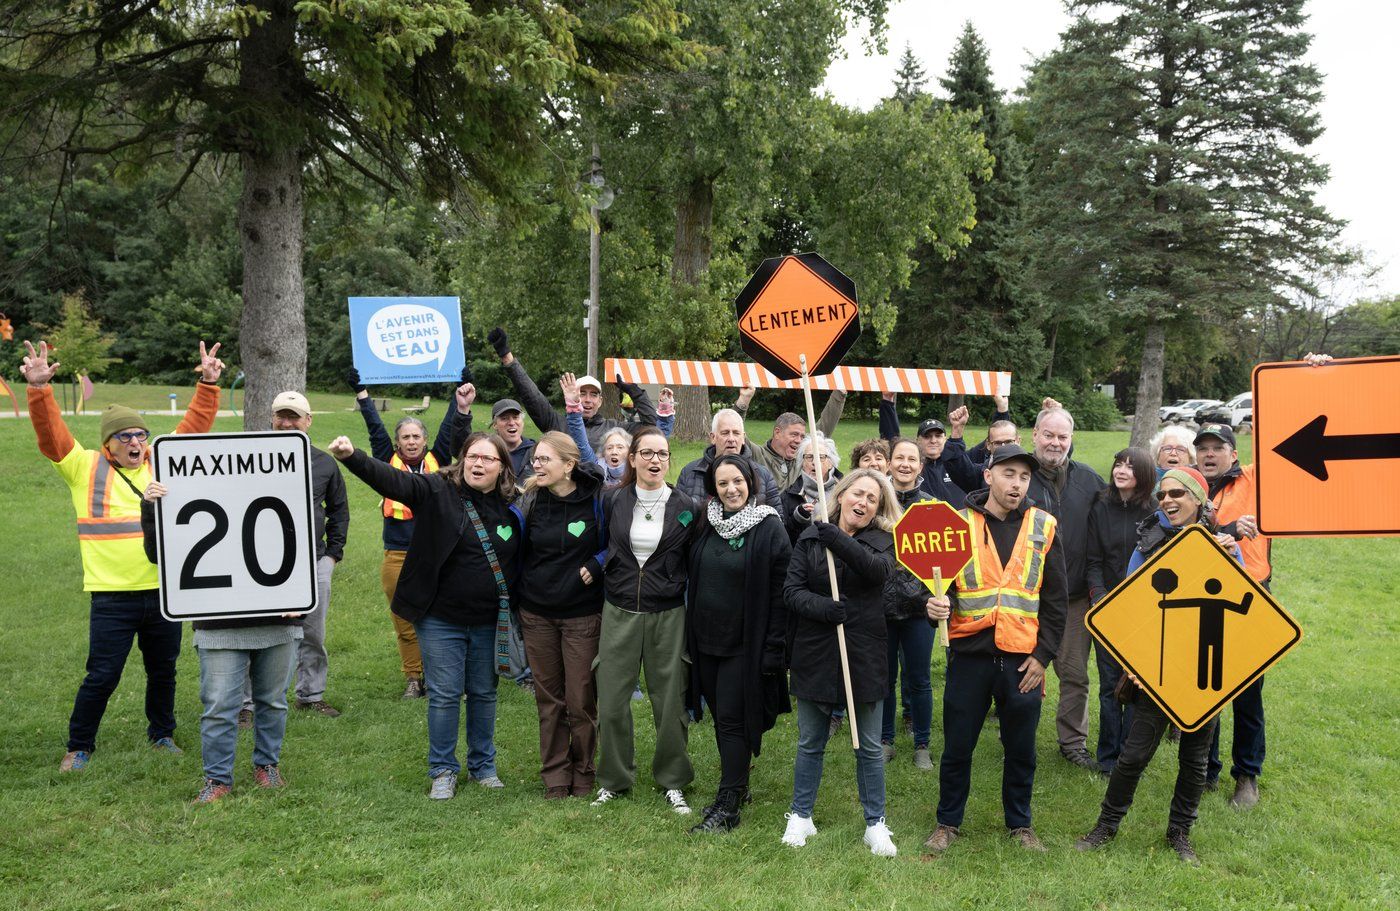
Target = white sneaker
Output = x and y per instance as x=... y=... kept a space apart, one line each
x=677 y=801
x=604 y=795
x=878 y=837
x=799 y=829
x=444 y=787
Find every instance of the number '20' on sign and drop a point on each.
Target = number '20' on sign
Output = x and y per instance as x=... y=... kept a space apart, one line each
x=235 y=535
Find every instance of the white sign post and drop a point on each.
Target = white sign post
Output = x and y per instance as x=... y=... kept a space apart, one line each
x=234 y=531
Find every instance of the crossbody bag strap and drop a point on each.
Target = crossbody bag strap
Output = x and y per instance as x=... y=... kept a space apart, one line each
x=502 y=591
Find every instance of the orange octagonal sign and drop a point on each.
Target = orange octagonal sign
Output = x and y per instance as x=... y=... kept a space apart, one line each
x=796 y=305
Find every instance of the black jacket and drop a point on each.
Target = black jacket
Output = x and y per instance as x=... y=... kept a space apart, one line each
x=766 y=557
x=520 y=456
x=864 y=564
x=439 y=523
x=1054 y=600
x=661 y=584
x=398 y=532
x=691 y=480
x=331 y=507
x=793 y=497
x=1070 y=508
x=562 y=535
x=1113 y=532
x=547 y=419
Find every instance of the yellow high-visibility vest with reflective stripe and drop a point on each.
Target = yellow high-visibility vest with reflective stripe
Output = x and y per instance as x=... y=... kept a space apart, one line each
x=109 y=521
x=393 y=509
x=1004 y=598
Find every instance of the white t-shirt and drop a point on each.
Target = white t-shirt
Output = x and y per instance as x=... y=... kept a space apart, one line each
x=646 y=533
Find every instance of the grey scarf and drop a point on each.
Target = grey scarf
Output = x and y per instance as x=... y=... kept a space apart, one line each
x=738 y=524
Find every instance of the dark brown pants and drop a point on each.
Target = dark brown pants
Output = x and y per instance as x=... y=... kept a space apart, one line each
x=561 y=654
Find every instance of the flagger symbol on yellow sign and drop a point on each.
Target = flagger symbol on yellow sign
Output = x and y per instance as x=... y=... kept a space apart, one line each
x=1193 y=627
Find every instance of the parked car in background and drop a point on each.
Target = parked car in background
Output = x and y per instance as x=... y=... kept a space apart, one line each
x=1184 y=410
x=1239 y=410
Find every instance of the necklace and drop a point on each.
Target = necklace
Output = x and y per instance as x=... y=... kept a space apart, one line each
x=648 y=507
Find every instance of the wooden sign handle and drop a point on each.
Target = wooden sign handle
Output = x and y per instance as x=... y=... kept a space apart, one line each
x=830 y=560
x=942 y=624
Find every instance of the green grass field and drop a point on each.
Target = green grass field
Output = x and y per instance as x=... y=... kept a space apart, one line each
x=355 y=830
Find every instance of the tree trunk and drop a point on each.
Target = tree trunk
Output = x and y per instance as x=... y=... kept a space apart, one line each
x=690 y=260
x=1149 y=394
x=272 y=331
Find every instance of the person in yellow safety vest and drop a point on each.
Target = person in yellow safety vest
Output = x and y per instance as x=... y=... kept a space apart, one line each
x=106 y=485
x=1008 y=613
x=408 y=451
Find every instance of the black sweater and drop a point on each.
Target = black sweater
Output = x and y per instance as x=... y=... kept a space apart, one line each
x=1113 y=533
x=563 y=534
x=440 y=523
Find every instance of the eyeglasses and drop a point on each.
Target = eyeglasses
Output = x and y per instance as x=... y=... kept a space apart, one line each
x=653 y=455
x=993 y=444
x=541 y=460
x=1172 y=447
x=1174 y=494
x=476 y=458
x=132 y=436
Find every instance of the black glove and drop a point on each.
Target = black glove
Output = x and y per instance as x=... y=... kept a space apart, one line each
x=833 y=611
x=498 y=340
x=466 y=376
x=352 y=379
x=827 y=533
x=631 y=389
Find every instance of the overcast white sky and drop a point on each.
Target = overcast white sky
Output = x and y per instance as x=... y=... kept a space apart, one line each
x=1353 y=40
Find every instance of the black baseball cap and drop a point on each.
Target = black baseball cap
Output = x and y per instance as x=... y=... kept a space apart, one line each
x=505 y=405
x=1013 y=453
x=931 y=425
x=1219 y=431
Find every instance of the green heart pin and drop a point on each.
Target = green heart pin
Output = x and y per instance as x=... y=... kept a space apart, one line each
x=504 y=532
x=685 y=518
x=576 y=528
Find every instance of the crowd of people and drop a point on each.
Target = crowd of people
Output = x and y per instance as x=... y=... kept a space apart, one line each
x=569 y=564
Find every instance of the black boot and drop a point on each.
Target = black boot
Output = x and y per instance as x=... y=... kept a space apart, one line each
x=722 y=815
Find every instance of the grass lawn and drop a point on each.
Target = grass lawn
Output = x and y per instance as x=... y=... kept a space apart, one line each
x=355 y=830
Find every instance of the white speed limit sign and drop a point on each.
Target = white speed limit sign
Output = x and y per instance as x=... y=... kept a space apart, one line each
x=234 y=532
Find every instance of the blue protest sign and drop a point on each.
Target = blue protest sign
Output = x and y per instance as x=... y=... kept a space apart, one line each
x=406 y=339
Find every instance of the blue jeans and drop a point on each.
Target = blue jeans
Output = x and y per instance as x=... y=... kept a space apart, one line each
x=813 y=729
x=115 y=619
x=457 y=661
x=974 y=681
x=1115 y=718
x=222 y=675
x=914 y=638
x=1247 y=750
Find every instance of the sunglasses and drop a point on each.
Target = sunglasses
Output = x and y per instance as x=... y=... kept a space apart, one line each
x=1176 y=494
x=131 y=436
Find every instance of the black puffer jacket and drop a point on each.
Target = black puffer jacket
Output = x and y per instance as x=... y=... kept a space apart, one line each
x=660 y=585
x=864 y=564
x=1113 y=532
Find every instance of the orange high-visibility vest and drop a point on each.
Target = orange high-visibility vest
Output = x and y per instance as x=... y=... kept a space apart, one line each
x=1237 y=499
x=1004 y=598
x=393 y=509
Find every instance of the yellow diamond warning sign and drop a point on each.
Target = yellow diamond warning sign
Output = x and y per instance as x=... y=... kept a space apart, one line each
x=1193 y=627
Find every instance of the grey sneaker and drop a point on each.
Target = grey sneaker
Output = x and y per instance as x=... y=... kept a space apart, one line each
x=887 y=749
x=922 y=759
x=444 y=786
x=166 y=745
x=490 y=781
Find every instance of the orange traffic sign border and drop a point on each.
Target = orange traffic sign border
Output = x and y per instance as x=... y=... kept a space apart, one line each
x=1146 y=678
x=819 y=362
x=1263 y=478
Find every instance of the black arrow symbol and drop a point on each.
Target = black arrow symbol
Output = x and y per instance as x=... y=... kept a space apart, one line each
x=1311 y=449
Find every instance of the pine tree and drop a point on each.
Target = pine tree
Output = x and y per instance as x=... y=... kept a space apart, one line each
x=909 y=79
x=1173 y=184
x=969 y=311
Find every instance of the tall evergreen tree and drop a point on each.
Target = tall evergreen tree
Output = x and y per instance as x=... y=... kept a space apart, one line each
x=969 y=311
x=909 y=78
x=1172 y=137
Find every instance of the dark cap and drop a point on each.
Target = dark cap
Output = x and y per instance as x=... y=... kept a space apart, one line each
x=1013 y=453
x=1219 y=431
x=930 y=426
x=503 y=406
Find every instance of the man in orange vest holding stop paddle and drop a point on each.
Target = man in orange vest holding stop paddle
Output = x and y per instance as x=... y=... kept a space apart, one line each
x=1008 y=613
